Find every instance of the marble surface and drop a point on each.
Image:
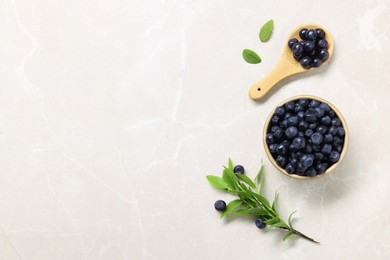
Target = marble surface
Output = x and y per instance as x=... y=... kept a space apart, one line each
x=112 y=113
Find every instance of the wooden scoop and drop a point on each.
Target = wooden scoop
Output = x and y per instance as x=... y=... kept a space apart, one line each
x=287 y=65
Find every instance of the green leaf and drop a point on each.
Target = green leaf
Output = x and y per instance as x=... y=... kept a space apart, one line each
x=290 y=219
x=274 y=202
x=246 y=179
x=280 y=224
x=266 y=30
x=254 y=211
x=217 y=182
x=287 y=236
x=259 y=179
x=263 y=200
x=230 y=165
x=234 y=204
x=251 y=56
x=229 y=179
x=273 y=221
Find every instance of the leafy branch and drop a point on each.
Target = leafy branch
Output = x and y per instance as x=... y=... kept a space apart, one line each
x=251 y=200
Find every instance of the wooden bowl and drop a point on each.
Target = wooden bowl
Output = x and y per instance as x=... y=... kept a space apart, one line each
x=332 y=167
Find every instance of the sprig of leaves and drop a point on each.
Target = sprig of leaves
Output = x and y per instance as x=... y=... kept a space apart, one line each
x=250 y=199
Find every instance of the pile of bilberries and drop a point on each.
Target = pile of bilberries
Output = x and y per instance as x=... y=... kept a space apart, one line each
x=305 y=137
x=312 y=50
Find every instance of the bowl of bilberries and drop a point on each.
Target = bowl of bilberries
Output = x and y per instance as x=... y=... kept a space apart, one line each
x=305 y=137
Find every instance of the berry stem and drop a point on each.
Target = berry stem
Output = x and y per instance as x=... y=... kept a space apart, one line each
x=296 y=232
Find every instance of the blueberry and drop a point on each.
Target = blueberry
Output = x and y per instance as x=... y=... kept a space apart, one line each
x=302 y=33
x=312 y=126
x=283 y=124
x=317 y=148
x=339 y=148
x=320 y=33
x=332 y=130
x=275 y=119
x=309 y=148
x=317 y=62
x=278 y=132
x=280 y=111
x=314 y=103
x=298 y=108
x=298 y=143
x=340 y=131
x=325 y=107
x=303 y=125
x=318 y=156
x=301 y=114
x=291 y=42
x=310 y=117
x=297 y=57
x=311 y=35
x=320 y=168
x=270 y=138
x=220 y=205
x=326 y=149
x=301 y=134
x=319 y=112
x=322 y=129
x=316 y=138
x=287 y=115
x=305 y=62
x=293 y=161
x=323 y=54
x=281 y=149
x=308 y=133
x=331 y=113
x=334 y=156
x=337 y=141
x=328 y=138
x=260 y=223
x=326 y=120
x=289 y=168
x=291 y=132
x=297 y=49
x=300 y=168
x=272 y=148
x=322 y=43
x=303 y=102
x=307 y=160
x=239 y=169
x=281 y=160
x=309 y=46
x=311 y=172
x=290 y=106
x=336 y=122
x=292 y=121
x=274 y=129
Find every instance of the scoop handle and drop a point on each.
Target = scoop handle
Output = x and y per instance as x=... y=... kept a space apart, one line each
x=282 y=70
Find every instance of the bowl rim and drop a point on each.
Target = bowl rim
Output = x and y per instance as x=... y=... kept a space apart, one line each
x=294 y=175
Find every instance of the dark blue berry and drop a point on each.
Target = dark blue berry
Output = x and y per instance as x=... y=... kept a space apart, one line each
x=320 y=33
x=297 y=57
x=322 y=129
x=239 y=169
x=340 y=131
x=326 y=149
x=337 y=141
x=319 y=112
x=270 y=138
x=281 y=149
x=309 y=46
x=293 y=161
x=309 y=148
x=301 y=114
x=310 y=117
x=298 y=143
x=311 y=35
x=311 y=172
x=260 y=223
x=289 y=168
x=308 y=133
x=326 y=120
x=334 y=156
x=301 y=134
x=318 y=156
x=331 y=113
x=305 y=62
x=307 y=160
x=272 y=148
x=290 y=106
x=336 y=122
x=316 y=63
x=303 y=125
x=300 y=168
x=280 y=111
x=323 y=54
x=275 y=119
x=339 y=148
x=320 y=168
x=298 y=108
x=314 y=103
x=317 y=148
x=283 y=124
x=312 y=126
x=328 y=138
x=322 y=43
x=220 y=205
x=325 y=107
x=291 y=42
x=302 y=33
x=303 y=102
x=291 y=132
x=292 y=121
x=297 y=49
x=281 y=160
x=287 y=115
x=332 y=130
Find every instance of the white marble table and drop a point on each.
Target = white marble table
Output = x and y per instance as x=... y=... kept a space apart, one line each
x=112 y=113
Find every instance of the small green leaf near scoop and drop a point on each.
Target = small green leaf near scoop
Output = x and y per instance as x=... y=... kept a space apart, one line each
x=266 y=30
x=251 y=56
